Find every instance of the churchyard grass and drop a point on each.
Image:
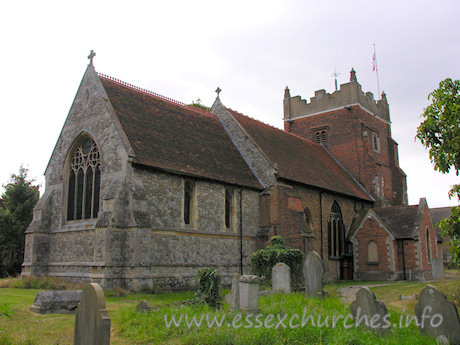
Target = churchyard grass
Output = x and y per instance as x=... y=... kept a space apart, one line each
x=20 y=326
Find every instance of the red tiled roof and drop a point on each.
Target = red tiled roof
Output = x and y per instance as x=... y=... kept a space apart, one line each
x=301 y=160
x=174 y=137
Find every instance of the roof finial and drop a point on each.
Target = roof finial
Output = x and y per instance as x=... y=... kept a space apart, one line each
x=91 y=57
x=353 y=75
x=287 y=94
x=218 y=90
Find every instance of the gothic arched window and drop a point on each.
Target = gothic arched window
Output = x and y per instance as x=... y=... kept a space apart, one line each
x=428 y=247
x=308 y=220
x=336 y=232
x=84 y=180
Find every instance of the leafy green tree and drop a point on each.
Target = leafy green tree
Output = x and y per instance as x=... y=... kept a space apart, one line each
x=197 y=104
x=19 y=199
x=440 y=133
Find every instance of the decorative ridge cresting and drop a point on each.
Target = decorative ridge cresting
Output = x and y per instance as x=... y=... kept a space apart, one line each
x=154 y=94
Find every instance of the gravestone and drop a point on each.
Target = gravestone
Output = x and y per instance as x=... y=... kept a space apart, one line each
x=249 y=292
x=313 y=273
x=437 y=315
x=437 y=269
x=56 y=302
x=281 y=278
x=233 y=298
x=92 y=321
x=143 y=307
x=368 y=311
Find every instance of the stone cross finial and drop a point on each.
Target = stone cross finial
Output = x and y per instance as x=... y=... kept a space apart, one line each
x=91 y=56
x=218 y=90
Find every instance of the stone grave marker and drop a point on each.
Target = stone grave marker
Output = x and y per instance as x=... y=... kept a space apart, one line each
x=437 y=269
x=437 y=315
x=313 y=272
x=233 y=298
x=56 y=302
x=281 y=278
x=143 y=307
x=368 y=311
x=249 y=292
x=92 y=321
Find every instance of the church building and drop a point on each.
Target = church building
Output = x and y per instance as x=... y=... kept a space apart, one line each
x=142 y=190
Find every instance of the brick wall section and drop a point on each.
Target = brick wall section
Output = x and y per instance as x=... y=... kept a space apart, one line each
x=350 y=140
x=427 y=224
x=372 y=230
x=280 y=215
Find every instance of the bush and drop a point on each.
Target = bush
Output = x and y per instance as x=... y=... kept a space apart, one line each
x=208 y=285
x=263 y=260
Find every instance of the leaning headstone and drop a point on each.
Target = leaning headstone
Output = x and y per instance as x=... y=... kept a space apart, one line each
x=233 y=298
x=437 y=269
x=249 y=292
x=313 y=273
x=56 y=302
x=281 y=278
x=92 y=321
x=143 y=307
x=369 y=312
x=437 y=315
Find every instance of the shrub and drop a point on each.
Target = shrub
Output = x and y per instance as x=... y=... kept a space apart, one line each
x=263 y=260
x=208 y=286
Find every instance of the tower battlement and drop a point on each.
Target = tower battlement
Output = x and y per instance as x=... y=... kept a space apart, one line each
x=349 y=94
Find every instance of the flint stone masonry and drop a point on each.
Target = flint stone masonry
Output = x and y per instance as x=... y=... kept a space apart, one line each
x=249 y=292
x=432 y=302
x=368 y=308
x=437 y=268
x=92 y=321
x=313 y=272
x=56 y=302
x=281 y=278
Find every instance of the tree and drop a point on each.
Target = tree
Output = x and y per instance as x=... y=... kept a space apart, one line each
x=440 y=133
x=19 y=199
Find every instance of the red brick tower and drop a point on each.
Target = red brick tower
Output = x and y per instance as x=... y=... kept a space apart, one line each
x=356 y=130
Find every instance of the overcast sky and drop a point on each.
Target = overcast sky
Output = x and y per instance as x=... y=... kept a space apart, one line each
x=250 y=49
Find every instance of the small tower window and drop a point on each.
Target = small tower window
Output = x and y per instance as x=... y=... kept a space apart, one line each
x=376 y=142
x=84 y=180
x=320 y=137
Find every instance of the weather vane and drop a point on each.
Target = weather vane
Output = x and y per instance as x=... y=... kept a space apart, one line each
x=335 y=75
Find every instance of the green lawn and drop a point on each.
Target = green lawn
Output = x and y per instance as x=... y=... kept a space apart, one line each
x=20 y=326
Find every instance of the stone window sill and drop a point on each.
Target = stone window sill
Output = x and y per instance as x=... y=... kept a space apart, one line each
x=372 y=263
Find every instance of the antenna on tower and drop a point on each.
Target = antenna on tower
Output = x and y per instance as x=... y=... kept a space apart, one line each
x=335 y=75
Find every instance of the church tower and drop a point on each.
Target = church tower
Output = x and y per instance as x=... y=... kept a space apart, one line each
x=356 y=130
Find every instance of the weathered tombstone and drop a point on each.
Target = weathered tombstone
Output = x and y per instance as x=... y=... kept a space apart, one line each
x=368 y=311
x=313 y=272
x=437 y=269
x=56 y=302
x=92 y=321
x=233 y=298
x=143 y=307
x=437 y=315
x=281 y=278
x=249 y=292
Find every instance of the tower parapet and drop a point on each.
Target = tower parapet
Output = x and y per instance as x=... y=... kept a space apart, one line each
x=349 y=94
